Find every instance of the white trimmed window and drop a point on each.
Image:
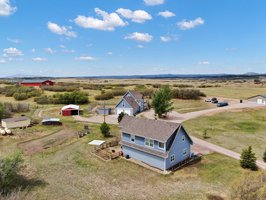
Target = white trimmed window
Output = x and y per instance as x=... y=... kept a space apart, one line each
x=185 y=152
x=172 y=158
x=161 y=145
x=132 y=138
x=149 y=143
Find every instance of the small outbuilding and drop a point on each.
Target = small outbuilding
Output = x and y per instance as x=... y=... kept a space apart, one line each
x=70 y=110
x=36 y=83
x=104 y=111
x=17 y=122
x=259 y=99
x=52 y=122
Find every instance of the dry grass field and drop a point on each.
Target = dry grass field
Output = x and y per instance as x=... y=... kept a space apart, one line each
x=68 y=170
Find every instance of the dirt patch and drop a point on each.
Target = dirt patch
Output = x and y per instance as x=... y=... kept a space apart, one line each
x=196 y=148
x=39 y=145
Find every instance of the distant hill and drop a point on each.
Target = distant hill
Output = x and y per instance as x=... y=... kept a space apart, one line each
x=155 y=76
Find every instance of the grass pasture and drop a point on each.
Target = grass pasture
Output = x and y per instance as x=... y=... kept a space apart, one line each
x=72 y=172
x=233 y=130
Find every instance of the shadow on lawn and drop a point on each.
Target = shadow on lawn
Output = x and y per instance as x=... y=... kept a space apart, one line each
x=20 y=188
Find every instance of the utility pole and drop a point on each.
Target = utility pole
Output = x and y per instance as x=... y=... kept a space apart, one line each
x=104 y=111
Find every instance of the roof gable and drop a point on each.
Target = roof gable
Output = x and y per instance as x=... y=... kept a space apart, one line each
x=153 y=129
x=259 y=95
x=71 y=106
x=132 y=102
x=135 y=94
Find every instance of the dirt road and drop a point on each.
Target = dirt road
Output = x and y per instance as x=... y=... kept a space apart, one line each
x=179 y=118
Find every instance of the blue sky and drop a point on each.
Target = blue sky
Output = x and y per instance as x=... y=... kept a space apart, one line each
x=121 y=37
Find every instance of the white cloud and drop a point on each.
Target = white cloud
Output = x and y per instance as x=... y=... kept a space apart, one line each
x=108 y=22
x=166 y=14
x=138 y=16
x=12 y=52
x=61 y=30
x=49 y=51
x=39 y=59
x=140 y=37
x=85 y=58
x=189 y=24
x=140 y=46
x=165 y=38
x=2 y=61
x=153 y=2
x=16 y=41
x=6 y=8
x=204 y=62
x=62 y=46
x=33 y=50
x=109 y=53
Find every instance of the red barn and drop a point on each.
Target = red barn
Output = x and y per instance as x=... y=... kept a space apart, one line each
x=70 y=110
x=37 y=83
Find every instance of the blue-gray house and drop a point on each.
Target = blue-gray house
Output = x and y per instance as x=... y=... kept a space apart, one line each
x=131 y=103
x=157 y=143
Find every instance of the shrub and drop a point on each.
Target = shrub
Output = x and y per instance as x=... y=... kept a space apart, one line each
x=70 y=98
x=187 y=94
x=183 y=86
x=61 y=88
x=104 y=96
x=42 y=100
x=118 y=92
x=105 y=129
x=248 y=159
x=21 y=93
x=9 y=170
x=120 y=117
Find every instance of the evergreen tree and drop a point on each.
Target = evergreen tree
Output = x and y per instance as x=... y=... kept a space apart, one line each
x=105 y=129
x=120 y=117
x=161 y=101
x=248 y=159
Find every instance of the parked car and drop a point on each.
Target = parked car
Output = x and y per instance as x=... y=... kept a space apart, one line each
x=222 y=104
x=214 y=100
x=208 y=100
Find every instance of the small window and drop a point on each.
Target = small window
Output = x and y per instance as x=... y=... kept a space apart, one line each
x=183 y=138
x=185 y=152
x=149 y=142
x=132 y=138
x=172 y=158
x=161 y=145
x=123 y=104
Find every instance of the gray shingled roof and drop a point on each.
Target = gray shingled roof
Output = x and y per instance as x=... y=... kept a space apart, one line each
x=262 y=95
x=131 y=101
x=153 y=129
x=16 y=119
x=136 y=94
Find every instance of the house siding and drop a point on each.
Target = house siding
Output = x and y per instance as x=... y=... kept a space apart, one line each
x=144 y=157
x=255 y=99
x=177 y=149
x=127 y=106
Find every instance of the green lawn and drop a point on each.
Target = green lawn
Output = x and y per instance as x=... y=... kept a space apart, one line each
x=233 y=130
x=185 y=106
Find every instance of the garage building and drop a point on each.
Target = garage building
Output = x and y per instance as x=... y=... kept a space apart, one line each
x=70 y=110
x=17 y=122
x=259 y=99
